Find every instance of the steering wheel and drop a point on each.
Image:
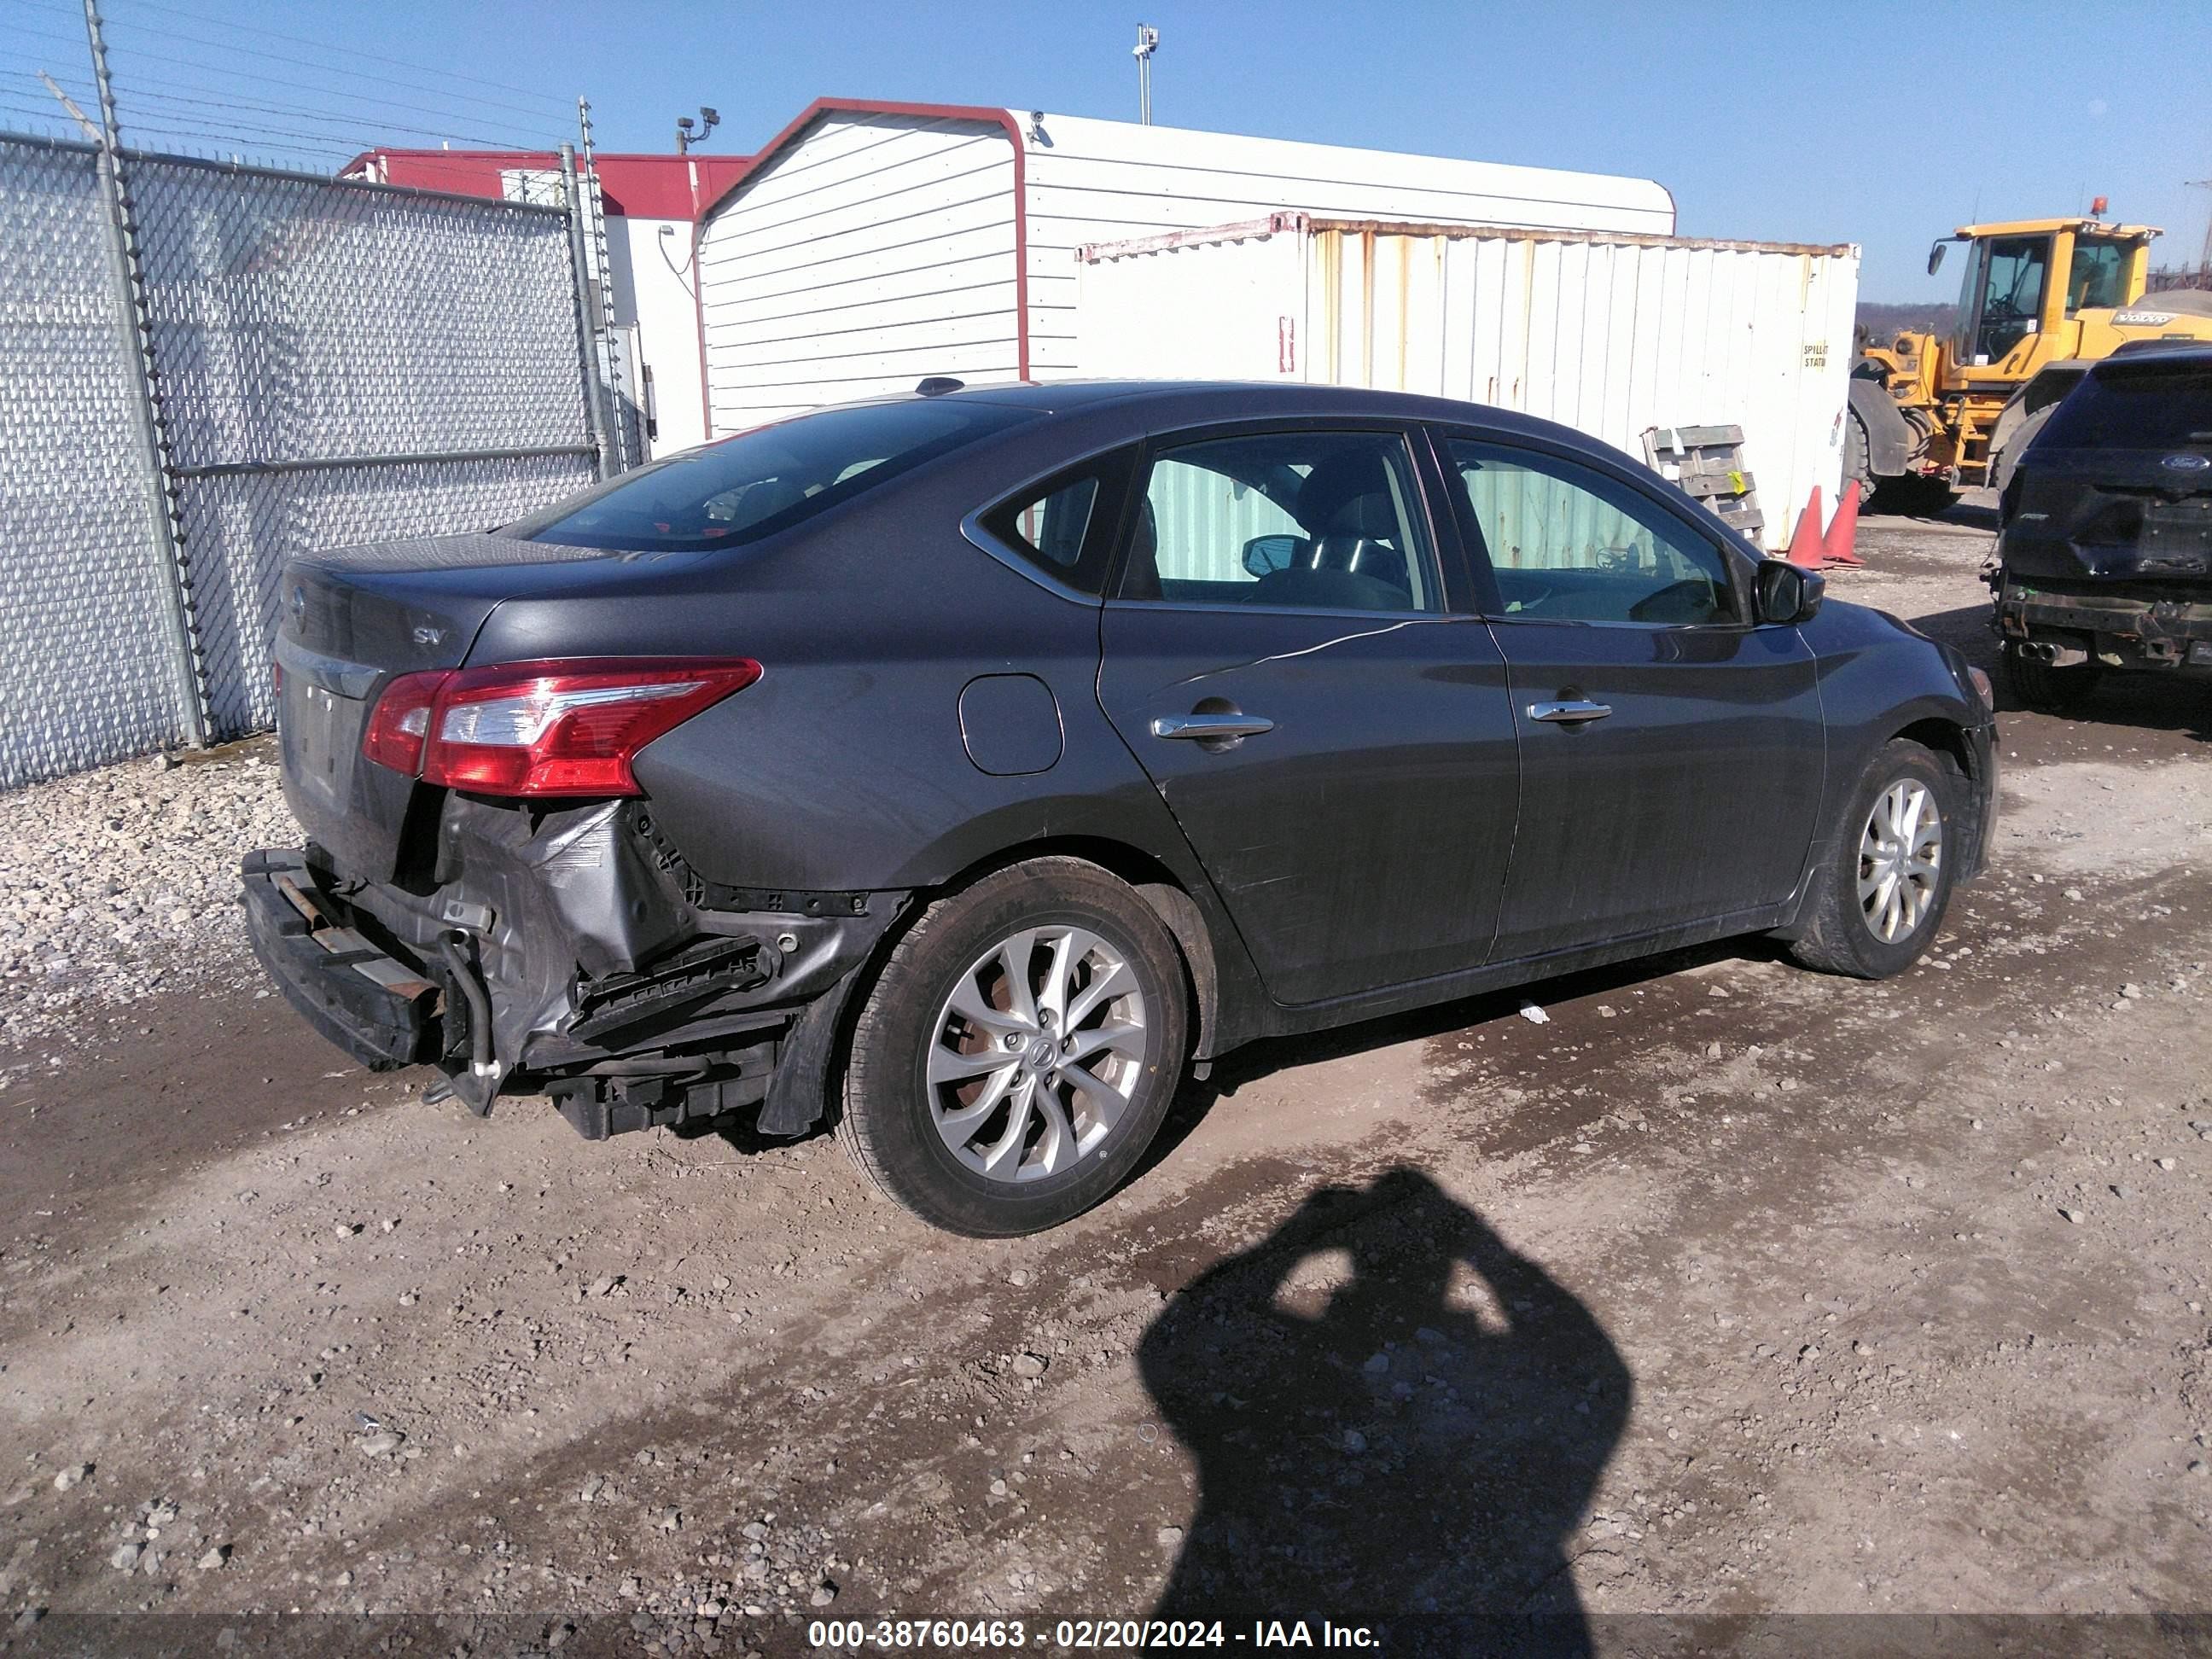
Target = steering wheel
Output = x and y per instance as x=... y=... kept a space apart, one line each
x=1688 y=601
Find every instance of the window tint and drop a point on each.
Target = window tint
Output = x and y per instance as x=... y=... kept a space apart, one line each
x=2094 y=283
x=2135 y=406
x=1050 y=528
x=761 y=482
x=1297 y=520
x=1567 y=544
x=1063 y=526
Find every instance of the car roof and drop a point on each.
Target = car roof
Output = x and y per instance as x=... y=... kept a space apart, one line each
x=2188 y=354
x=1149 y=403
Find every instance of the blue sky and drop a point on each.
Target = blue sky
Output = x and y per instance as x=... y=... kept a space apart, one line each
x=1882 y=124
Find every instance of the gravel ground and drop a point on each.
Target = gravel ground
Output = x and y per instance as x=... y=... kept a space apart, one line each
x=123 y=884
x=1730 y=1290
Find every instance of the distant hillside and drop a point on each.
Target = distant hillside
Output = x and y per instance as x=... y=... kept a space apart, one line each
x=1881 y=322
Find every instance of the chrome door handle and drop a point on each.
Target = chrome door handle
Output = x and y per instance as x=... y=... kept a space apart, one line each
x=1210 y=726
x=1569 y=713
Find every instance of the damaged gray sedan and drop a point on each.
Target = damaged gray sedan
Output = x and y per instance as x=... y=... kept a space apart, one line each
x=962 y=768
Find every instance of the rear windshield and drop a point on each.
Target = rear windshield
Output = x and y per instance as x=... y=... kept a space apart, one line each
x=2141 y=407
x=764 y=481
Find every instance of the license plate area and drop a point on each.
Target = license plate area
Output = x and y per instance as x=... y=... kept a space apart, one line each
x=2177 y=535
x=319 y=730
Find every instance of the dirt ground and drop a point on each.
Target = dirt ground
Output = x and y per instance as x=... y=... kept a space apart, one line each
x=1731 y=1290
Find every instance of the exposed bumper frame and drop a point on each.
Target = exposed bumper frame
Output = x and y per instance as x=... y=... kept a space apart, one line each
x=381 y=1010
x=2124 y=626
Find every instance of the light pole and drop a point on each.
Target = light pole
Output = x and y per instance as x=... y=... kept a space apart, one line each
x=1148 y=42
x=685 y=138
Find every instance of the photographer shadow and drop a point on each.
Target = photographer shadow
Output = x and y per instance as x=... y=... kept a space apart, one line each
x=1397 y=1421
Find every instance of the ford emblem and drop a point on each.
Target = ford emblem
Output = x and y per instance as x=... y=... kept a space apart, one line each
x=2187 y=463
x=299 y=602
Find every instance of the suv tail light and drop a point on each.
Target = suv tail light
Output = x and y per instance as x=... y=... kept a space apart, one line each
x=566 y=727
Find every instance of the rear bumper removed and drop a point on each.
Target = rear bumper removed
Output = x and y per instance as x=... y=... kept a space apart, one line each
x=2123 y=624
x=725 y=1021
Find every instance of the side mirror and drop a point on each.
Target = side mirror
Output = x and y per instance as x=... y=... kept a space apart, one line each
x=1265 y=555
x=1786 y=594
x=1935 y=257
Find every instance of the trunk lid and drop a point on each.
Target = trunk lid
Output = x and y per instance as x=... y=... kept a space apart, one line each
x=349 y=621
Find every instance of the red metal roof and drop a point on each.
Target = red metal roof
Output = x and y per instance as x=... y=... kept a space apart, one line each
x=639 y=186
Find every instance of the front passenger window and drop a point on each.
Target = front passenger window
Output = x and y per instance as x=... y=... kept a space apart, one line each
x=1568 y=543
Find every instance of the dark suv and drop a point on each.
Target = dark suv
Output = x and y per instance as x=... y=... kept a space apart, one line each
x=2105 y=558
x=962 y=767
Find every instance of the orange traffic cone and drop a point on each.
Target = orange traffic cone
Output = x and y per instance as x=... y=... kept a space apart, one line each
x=1846 y=528
x=1805 y=545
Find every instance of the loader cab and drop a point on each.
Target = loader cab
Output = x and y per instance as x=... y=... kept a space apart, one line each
x=2001 y=298
x=2032 y=278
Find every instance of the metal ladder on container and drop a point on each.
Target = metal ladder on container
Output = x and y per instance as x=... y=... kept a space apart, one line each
x=1706 y=463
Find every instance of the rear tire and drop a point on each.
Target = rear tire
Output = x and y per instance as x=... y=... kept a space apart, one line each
x=1018 y=1050
x=1858 y=467
x=1880 y=895
x=2036 y=685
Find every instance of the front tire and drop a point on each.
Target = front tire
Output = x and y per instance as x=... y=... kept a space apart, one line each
x=1018 y=1051
x=1880 y=894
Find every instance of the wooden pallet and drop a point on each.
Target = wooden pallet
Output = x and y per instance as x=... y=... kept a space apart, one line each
x=1706 y=463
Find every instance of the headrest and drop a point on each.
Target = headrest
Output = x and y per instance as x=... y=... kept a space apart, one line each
x=1340 y=480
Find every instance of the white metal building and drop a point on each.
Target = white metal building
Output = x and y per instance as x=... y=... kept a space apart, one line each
x=871 y=244
x=1607 y=331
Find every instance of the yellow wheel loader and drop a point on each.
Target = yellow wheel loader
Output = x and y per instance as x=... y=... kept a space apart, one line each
x=2039 y=300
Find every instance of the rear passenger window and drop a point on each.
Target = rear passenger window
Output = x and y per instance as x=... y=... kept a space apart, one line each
x=1063 y=527
x=1567 y=544
x=1290 y=520
x=1049 y=527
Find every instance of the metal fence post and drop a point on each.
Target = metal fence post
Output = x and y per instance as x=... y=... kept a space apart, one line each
x=595 y=407
x=193 y=708
x=619 y=423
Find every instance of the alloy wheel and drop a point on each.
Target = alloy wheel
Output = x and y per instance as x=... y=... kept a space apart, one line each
x=1036 y=1053
x=1900 y=860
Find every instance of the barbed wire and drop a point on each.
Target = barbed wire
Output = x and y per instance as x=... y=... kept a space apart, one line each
x=123 y=29
x=217 y=84
x=348 y=51
x=135 y=97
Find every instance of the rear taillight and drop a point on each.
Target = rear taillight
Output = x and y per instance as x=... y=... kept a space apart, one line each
x=401 y=721
x=567 y=726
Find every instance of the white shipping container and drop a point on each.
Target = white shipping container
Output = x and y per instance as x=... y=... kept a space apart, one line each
x=1608 y=332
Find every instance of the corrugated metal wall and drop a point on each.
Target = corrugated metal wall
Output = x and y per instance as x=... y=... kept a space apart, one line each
x=1094 y=181
x=876 y=250
x=1609 y=336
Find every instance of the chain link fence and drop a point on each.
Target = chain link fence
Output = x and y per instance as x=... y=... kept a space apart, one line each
x=331 y=362
x=89 y=673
